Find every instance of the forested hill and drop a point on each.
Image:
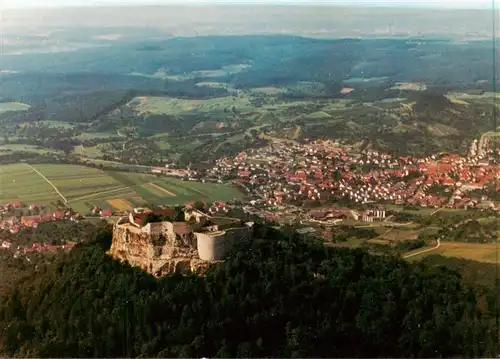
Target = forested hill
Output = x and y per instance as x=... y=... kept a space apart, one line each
x=278 y=297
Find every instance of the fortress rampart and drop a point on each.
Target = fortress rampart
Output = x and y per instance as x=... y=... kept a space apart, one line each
x=164 y=247
x=215 y=245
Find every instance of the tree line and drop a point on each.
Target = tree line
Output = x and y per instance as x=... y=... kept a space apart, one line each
x=278 y=296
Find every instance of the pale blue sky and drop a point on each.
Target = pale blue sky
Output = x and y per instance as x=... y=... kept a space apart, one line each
x=57 y=3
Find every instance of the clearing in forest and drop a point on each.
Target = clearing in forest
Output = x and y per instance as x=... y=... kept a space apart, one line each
x=13 y=106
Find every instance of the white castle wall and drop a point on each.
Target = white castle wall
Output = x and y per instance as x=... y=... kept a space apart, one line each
x=214 y=246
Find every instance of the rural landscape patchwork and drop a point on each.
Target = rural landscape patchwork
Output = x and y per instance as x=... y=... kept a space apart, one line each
x=83 y=188
x=192 y=181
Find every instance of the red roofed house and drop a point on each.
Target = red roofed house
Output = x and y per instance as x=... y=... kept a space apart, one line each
x=31 y=221
x=46 y=217
x=58 y=215
x=166 y=211
x=15 y=204
x=318 y=175
x=448 y=181
x=301 y=174
x=244 y=173
x=52 y=248
x=106 y=213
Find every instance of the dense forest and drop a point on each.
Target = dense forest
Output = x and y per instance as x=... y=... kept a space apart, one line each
x=266 y=61
x=81 y=99
x=274 y=297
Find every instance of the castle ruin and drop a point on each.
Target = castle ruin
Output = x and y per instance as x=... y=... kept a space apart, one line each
x=160 y=248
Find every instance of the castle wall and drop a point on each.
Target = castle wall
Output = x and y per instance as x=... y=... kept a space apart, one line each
x=211 y=245
x=195 y=215
x=214 y=246
x=137 y=247
x=130 y=244
x=140 y=247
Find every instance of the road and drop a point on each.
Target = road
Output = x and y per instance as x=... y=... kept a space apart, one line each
x=384 y=224
x=372 y=105
x=424 y=251
x=48 y=181
x=437 y=210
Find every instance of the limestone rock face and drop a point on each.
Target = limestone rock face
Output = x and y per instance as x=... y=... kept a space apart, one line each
x=161 y=248
x=159 y=251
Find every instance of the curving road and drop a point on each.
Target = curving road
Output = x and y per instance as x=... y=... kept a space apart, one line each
x=424 y=251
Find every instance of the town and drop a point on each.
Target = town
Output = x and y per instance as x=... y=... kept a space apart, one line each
x=317 y=183
x=322 y=172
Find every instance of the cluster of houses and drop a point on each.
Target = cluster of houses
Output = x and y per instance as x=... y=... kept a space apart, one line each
x=13 y=205
x=218 y=208
x=104 y=213
x=13 y=223
x=320 y=171
x=35 y=248
x=338 y=214
x=174 y=172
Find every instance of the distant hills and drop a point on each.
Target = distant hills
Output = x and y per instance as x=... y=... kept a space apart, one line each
x=311 y=20
x=199 y=98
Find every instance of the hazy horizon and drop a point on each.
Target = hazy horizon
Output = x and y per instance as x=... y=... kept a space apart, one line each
x=446 y=4
x=66 y=27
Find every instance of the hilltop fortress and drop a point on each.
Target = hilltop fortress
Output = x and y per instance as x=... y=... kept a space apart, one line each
x=165 y=247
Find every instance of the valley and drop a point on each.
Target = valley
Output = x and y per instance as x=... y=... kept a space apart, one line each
x=199 y=180
x=151 y=136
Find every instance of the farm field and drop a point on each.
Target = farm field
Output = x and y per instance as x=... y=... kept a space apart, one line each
x=93 y=135
x=394 y=235
x=13 y=106
x=86 y=187
x=409 y=86
x=121 y=204
x=268 y=90
x=93 y=151
x=20 y=183
x=229 y=69
x=27 y=148
x=51 y=124
x=172 y=106
x=441 y=130
x=485 y=253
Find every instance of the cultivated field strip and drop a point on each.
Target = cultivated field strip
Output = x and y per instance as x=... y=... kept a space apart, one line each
x=481 y=252
x=20 y=183
x=86 y=187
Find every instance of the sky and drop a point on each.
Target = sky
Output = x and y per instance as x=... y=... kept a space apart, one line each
x=8 y=4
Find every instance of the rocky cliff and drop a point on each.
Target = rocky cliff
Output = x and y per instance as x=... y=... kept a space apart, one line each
x=159 y=254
